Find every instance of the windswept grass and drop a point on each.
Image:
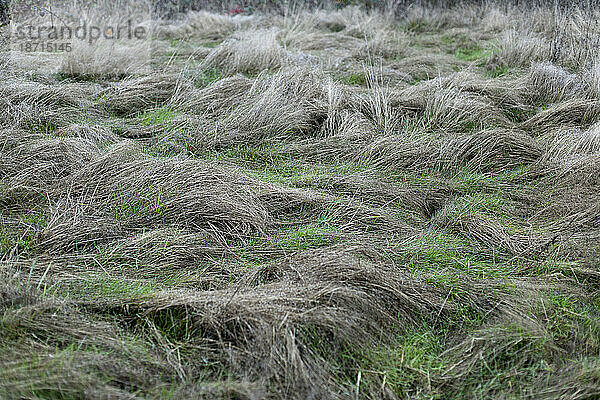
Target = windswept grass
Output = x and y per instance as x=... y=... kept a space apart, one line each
x=296 y=202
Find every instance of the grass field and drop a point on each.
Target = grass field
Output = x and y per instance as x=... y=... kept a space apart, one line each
x=329 y=203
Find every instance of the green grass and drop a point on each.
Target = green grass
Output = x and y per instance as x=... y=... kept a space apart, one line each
x=464 y=180
x=358 y=79
x=44 y=127
x=407 y=364
x=66 y=371
x=498 y=71
x=172 y=323
x=431 y=253
x=574 y=323
x=303 y=238
x=106 y=287
x=157 y=116
x=470 y=182
x=206 y=77
x=515 y=358
x=485 y=205
x=518 y=115
x=504 y=356
x=128 y=205
x=271 y=162
x=35 y=219
x=10 y=242
x=210 y=44
x=264 y=153
x=448 y=40
x=472 y=53
x=20 y=233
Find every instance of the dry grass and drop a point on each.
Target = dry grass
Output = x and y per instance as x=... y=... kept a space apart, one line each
x=318 y=203
x=249 y=53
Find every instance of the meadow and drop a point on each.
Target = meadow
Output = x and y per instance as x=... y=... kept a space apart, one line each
x=305 y=203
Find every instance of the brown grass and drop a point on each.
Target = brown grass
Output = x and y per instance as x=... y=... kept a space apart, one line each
x=322 y=203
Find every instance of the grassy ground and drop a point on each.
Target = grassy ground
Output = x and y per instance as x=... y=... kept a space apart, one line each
x=330 y=204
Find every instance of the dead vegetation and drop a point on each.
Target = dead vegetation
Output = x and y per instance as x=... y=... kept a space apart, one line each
x=329 y=203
